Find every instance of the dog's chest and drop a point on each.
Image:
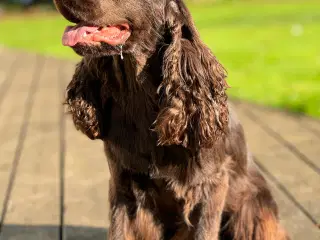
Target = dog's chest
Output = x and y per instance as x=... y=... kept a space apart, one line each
x=129 y=138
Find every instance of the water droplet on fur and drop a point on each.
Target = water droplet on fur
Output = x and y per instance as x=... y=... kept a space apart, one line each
x=121 y=51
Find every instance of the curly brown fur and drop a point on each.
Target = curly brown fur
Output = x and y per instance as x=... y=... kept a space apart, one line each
x=198 y=116
x=178 y=160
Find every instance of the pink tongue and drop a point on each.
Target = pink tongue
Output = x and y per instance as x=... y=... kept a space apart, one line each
x=73 y=35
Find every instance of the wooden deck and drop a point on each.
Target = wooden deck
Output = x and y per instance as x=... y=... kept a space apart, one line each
x=53 y=180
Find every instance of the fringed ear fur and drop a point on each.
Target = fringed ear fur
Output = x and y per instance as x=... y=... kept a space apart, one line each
x=83 y=101
x=193 y=100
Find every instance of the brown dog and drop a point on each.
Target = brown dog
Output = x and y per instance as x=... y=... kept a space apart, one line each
x=154 y=93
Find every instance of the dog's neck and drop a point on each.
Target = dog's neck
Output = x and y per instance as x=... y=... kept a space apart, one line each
x=131 y=64
x=129 y=72
x=136 y=69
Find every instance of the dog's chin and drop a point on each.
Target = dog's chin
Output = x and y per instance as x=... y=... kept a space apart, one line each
x=96 y=50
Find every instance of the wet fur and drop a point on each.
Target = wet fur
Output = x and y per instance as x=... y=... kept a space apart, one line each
x=178 y=160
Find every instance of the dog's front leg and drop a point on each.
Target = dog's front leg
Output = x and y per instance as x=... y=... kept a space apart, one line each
x=133 y=215
x=120 y=225
x=141 y=226
x=208 y=226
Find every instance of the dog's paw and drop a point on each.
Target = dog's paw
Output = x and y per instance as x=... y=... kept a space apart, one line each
x=85 y=115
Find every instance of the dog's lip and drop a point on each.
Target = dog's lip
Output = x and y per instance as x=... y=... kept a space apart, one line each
x=115 y=34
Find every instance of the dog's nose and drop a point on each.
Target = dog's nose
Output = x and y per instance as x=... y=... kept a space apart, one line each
x=78 y=10
x=63 y=8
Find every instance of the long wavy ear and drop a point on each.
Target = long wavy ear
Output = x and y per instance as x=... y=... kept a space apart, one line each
x=84 y=100
x=193 y=100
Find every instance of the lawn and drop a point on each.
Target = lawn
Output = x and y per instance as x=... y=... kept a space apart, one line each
x=271 y=50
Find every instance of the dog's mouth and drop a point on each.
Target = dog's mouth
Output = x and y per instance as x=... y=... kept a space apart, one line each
x=112 y=34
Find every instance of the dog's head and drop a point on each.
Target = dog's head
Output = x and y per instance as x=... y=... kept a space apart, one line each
x=193 y=102
x=103 y=27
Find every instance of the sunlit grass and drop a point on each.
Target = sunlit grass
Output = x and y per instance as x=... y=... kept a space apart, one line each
x=39 y=34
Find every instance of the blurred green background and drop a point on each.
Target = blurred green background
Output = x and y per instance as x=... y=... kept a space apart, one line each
x=270 y=49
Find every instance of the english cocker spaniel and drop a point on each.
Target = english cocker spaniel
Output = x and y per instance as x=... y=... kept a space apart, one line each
x=153 y=92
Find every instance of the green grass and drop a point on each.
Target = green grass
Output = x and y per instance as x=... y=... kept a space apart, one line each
x=38 y=34
x=271 y=50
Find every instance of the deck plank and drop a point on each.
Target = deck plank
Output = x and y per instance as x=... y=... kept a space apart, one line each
x=35 y=195
x=298 y=178
x=311 y=124
x=86 y=183
x=7 y=70
x=292 y=132
x=11 y=118
x=292 y=219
